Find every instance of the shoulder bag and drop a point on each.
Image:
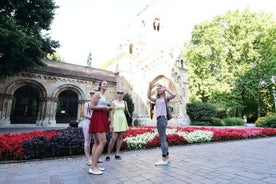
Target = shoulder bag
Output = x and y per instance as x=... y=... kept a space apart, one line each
x=128 y=116
x=169 y=110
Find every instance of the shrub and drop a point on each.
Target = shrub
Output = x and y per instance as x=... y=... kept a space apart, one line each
x=200 y=111
x=233 y=121
x=129 y=102
x=221 y=111
x=216 y=122
x=200 y=123
x=267 y=121
x=136 y=122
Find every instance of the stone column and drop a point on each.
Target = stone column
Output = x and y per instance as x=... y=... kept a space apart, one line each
x=5 y=109
x=48 y=112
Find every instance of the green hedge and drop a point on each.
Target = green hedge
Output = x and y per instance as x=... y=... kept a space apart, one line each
x=267 y=121
x=200 y=111
x=233 y=121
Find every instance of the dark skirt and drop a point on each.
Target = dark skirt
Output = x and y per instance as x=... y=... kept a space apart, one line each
x=99 y=122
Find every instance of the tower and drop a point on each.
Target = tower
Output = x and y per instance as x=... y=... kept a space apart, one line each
x=149 y=53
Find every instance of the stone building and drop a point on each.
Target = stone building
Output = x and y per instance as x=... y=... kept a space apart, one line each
x=149 y=51
x=52 y=95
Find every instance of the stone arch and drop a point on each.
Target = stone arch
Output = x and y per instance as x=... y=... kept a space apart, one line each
x=69 y=99
x=25 y=106
x=160 y=79
x=70 y=87
x=19 y=83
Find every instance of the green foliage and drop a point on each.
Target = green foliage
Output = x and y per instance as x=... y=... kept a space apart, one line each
x=216 y=121
x=222 y=111
x=130 y=103
x=233 y=121
x=223 y=50
x=200 y=111
x=55 y=57
x=22 y=44
x=255 y=88
x=200 y=123
x=267 y=121
x=227 y=102
x=136 y=122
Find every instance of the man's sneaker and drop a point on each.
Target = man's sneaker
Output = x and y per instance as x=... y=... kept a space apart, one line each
x=161 y=163
x=89 y=162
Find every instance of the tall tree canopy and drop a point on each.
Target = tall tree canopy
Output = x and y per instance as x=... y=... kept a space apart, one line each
x=224 y=49
x=22 y=44
x=254 y=88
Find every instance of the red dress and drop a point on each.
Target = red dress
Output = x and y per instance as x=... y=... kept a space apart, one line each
x=99 y=119
x=99 y=122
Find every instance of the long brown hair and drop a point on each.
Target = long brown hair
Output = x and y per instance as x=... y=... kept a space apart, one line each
x=158 y=95
x=100 y=84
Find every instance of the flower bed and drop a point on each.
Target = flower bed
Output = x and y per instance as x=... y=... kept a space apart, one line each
x=148 y=136
x=11 y=144
x=66 y=142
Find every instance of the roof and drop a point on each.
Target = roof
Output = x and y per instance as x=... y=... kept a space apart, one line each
x=63 y=69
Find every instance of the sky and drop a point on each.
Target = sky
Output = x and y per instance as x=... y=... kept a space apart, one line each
x=99 y=26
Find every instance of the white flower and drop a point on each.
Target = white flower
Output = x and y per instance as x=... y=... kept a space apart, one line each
x=197 y=136
x=139 y=141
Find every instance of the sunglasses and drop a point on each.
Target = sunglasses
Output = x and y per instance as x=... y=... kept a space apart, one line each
x=120 y=93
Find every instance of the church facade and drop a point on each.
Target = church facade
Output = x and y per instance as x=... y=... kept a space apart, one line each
x=151 y=50
x=54 y=95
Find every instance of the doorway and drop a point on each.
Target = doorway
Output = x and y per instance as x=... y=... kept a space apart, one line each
x=67 y=107
x=25 y=105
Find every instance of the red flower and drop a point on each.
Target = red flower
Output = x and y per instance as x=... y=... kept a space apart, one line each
x=10 y=144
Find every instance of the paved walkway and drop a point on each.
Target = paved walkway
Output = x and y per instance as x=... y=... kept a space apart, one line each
x=237 y=162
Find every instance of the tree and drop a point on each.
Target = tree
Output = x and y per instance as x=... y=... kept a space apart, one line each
x=129 y=102
x=22 y=44
x=255 y=89
x=55 y=57
x=222 y=50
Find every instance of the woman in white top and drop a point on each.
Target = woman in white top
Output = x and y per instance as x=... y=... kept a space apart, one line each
x=161 y=114
x=87 y=113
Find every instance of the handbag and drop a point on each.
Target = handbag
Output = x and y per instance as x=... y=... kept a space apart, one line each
x=169 y=110
x=128 y=116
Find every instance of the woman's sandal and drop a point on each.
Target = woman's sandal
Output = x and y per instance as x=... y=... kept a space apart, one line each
x=107 y=158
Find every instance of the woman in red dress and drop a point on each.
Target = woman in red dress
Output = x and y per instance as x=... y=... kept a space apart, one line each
x=99 y=126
